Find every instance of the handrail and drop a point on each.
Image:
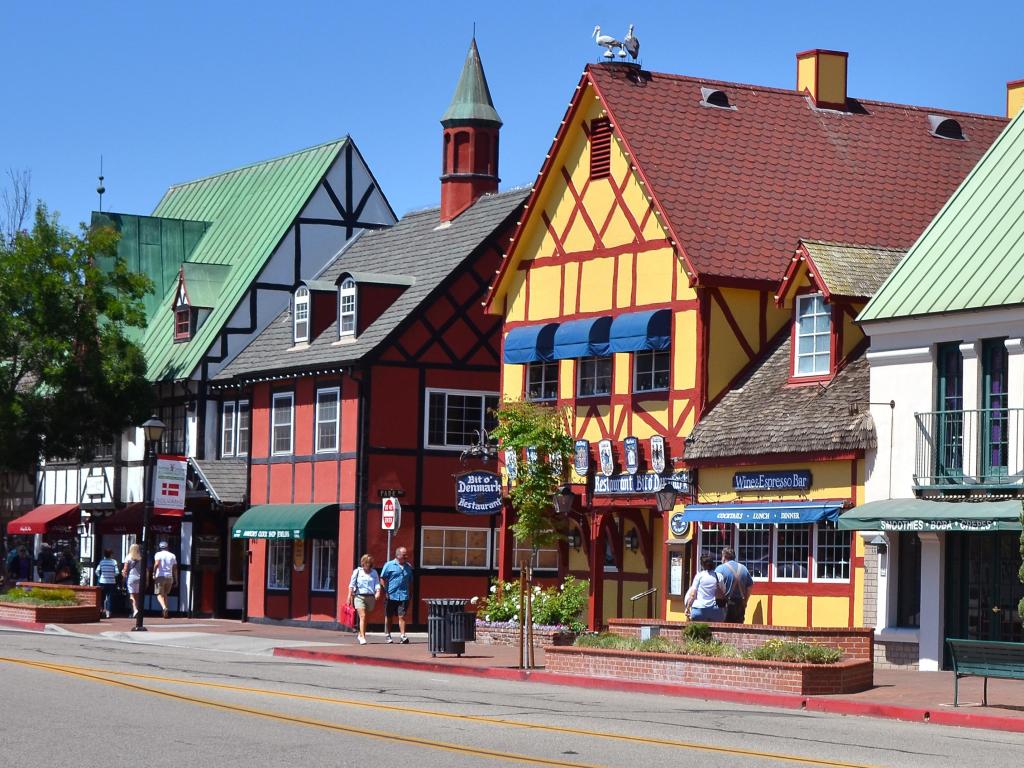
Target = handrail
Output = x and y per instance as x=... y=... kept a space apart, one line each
x=650 y=591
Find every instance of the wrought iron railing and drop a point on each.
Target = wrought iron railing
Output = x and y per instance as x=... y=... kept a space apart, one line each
x=980 y=448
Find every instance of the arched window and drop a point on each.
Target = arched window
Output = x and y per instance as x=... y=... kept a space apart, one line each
x=300 y=314
x=461 y=160
x=347 y=308
x=483 y=153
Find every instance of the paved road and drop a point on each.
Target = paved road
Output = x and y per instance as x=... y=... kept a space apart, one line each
x=94 y=701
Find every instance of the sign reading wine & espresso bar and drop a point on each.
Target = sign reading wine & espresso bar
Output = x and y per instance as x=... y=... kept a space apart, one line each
x=790 y=480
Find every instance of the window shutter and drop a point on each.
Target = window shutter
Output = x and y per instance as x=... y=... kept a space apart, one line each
x=600 y=148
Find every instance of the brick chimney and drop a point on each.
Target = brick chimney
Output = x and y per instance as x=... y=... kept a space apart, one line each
x=471 y=125
x=1014 y=98
x=822 y=74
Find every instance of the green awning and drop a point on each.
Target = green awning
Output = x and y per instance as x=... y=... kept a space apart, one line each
x=920 y=515
x=287 y=521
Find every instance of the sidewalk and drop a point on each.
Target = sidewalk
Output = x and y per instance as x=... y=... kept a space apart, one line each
x=912 y=696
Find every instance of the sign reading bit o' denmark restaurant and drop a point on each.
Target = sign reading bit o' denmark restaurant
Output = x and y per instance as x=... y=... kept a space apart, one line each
x=478 y=493
x=791 y=480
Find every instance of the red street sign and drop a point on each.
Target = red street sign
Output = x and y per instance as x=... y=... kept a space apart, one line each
x=391 y=512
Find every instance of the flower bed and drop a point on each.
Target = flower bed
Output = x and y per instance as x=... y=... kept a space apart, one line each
x=86 y=610
x=507 y=633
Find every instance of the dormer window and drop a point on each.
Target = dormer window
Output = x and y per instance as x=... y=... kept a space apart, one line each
x=300 y=314
x=347 y=308
x=946 y=128
x=183 y=316
x=812 y=337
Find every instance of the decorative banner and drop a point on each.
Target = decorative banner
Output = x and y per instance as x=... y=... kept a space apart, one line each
x=531 y=455
x=793 y=480
x=169 y=483
x=604 y=452
x=581 y=457
x=641 y=483
x=299 y=555
x=658 y=454
x=556 y=464
x=511 y=464
x=632 y=446
x=390 y=514
x=478 y=493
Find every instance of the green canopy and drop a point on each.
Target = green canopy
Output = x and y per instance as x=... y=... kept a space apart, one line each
x=287 y=521
x=920 y=515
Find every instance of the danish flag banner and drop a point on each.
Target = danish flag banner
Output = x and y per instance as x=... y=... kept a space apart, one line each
x=169 y=483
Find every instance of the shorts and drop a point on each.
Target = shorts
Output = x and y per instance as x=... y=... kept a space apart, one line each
x=396 y=607
x=366 y=602
x=133 y=585
x=162 y=585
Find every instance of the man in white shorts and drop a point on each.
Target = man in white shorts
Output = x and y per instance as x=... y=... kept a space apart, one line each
x=165 y=575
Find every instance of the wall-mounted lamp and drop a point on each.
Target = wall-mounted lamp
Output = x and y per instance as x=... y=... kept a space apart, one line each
x=563 y=501
x=880 y=542
x=632 y=540
x=665 y=498
x=573 y=539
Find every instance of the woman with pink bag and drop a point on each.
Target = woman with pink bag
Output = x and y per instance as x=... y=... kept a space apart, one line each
x=363 y=591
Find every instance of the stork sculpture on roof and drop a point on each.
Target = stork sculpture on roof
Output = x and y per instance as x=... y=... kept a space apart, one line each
x=606 y=41
x=630 y=44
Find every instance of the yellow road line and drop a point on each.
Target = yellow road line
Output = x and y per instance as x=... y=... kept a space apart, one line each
x=646 y=740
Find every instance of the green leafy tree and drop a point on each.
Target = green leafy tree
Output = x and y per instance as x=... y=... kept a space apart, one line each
x=70 y=375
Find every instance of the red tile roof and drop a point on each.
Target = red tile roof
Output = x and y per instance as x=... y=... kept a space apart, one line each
x=741 y=187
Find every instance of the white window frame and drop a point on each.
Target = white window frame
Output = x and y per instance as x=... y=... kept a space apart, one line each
x=534 y=557
x=822 y=311
x=738 y=547
x=347 y=291
x=430 y=391
x=809 y=527
x=228 y=428
x=239 y=430
x=315 y=555
x=300 y=314
x=731 y=527
x=290 y=396
x=820 y=528
x=279 y=548
x=425 y=550
x=596 y=360
x=654 y=370
x=544 y=380
x=336 y=391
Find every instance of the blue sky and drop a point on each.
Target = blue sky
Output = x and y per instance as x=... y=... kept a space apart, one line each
x=172 y=91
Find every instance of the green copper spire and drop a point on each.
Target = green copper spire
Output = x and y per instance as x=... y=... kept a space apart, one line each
x=472 y=99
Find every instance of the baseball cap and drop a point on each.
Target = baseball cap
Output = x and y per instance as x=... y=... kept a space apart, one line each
x=163 y=545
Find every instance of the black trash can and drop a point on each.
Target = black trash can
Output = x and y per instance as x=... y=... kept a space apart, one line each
x=449 y=625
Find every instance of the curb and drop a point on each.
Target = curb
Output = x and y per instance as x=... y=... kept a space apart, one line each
x=32 y=626
x=781 y=700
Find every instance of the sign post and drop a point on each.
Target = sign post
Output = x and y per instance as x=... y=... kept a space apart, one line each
x=390 y=518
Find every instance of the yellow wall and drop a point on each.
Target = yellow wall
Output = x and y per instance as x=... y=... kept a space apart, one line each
x=830 y=480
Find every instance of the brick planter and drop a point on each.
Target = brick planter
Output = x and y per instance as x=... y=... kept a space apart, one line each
x=847 y=676
x=488 y=633
x=87 y=610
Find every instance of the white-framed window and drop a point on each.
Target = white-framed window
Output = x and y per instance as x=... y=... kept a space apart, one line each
x=792 y=551
x=243 y=419
x=347 y=308
x=754 y=548
x=651 y=370
x=282 y=423
x=279 y=564
x=593 y=376
x=831 y=553
x=228 y=429
x=714 y=537
x=300 y=314
x=328 y=419
x=455 y=417
x=542 y=381
x=324 y=566
x=446 y=547
x=812 y=356
x=544 y=559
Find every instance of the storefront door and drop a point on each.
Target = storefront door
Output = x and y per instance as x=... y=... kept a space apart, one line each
x=983 y=586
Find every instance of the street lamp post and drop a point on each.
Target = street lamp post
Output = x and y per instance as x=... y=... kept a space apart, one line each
x=153 y=429
x=665 y=498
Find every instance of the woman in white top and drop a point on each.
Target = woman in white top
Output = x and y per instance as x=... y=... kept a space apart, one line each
x=363 y=591
x=707 y=589
x=132 y=574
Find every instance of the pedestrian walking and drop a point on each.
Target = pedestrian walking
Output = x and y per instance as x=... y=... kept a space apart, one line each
x=106 y=576
x=132 y=574
x=47 y=562
x=363 y=591
x=165 y=575
x=67 y=567
x=705 y=592
x=20 y=565
x=737 y=582
x=397 y=577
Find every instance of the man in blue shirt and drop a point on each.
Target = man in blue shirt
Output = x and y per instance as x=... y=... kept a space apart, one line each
x=397 y=576
x=737 y=581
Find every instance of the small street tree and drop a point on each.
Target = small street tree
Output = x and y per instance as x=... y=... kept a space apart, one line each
x=538 y=437
x=70 y=375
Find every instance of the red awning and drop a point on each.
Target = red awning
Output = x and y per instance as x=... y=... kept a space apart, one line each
x=48 y=517
x=129 y=520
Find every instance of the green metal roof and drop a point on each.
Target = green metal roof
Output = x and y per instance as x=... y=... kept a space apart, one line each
x=472 y=99
x=204 y=283
x=923 y=515
x=969 y=257
x=249 y=211
x=287 y=521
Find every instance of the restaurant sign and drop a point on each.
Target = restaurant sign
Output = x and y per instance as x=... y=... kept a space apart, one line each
x=969 y=525
x=791 y=480
x=478 y=493
x=640 y=483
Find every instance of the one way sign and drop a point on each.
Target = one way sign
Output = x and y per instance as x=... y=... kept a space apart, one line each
x=391 y=514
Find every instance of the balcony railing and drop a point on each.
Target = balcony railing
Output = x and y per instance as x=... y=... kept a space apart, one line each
x=970 y=449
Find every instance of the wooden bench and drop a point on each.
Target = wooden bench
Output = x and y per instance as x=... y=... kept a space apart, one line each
x=981 y=658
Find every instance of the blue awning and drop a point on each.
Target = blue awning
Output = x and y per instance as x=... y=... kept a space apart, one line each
x=637 y=331
x=768 y=512
x=582 y=338
x=530 y=343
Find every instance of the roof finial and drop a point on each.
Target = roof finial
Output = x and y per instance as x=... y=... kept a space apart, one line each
x=100 y=189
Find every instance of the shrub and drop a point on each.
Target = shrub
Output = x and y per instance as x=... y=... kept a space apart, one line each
x=655 y=645
x=697 y=631
x=40 y=596
x=784 y=650
x=561 y=606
